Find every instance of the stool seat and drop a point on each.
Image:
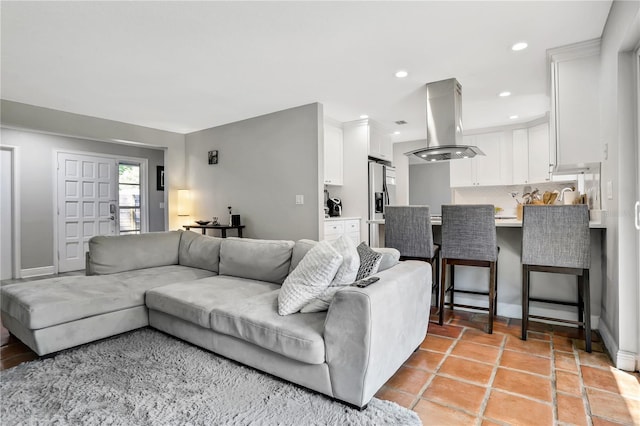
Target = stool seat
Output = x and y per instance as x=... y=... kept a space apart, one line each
x=555 y=239
x=469 y=239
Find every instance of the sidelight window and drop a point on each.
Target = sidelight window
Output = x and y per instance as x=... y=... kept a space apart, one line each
x=129 y=193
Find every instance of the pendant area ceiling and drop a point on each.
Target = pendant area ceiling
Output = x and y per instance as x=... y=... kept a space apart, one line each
x=187 y=66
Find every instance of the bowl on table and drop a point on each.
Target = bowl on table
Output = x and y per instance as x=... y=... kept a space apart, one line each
x=203 y=222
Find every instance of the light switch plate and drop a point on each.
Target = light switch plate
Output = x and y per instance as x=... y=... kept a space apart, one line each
x=609 y=190
x=162 y=205
x=299 y=199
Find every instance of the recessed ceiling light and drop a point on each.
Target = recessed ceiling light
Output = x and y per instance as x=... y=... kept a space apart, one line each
x=433 y=159
x=401 y=74
x=423 y=155
x=458 y=152
x=364 y=116
x=513 y=117
x=396 y=132
x=521 y=45
x=504 y=94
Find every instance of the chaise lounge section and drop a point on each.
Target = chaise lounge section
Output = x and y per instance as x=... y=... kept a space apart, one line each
x=222 y=295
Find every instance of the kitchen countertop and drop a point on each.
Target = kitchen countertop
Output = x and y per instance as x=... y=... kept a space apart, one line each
x=500 y=223
x=329 y=219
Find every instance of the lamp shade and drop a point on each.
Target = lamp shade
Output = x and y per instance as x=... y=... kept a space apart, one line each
x=184 y=202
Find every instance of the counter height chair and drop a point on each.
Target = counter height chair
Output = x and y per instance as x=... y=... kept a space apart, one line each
x=469 y=239
x=408 y=229
x=556 y=239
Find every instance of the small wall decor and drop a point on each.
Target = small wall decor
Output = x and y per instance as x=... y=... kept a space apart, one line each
x=213 y=157
x=160 y=178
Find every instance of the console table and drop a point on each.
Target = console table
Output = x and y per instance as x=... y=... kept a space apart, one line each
x=223 y=229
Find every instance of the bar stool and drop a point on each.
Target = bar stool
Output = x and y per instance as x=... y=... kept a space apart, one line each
x=556 y=239
x=408 y=229
x=469 y=239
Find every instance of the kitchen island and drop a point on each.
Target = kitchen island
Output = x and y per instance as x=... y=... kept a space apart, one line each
x=543 y=285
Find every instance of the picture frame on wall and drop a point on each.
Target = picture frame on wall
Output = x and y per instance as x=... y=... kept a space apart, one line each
x=160 y=178
x=213 y=157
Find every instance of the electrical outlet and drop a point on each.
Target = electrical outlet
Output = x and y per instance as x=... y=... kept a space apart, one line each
x=299 y=199
x=162 y=205
x=606 y=151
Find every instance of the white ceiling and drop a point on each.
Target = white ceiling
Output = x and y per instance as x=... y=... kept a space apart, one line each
x=187 y=66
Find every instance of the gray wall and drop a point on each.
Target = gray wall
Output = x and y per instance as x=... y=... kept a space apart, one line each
x=30 y=117
x=263 y=163
x=36 y=180
x=620 y=298
x=429 y=185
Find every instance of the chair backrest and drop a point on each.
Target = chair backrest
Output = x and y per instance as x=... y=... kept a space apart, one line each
x=408 y=229
x=469 y=232
x=556 y=236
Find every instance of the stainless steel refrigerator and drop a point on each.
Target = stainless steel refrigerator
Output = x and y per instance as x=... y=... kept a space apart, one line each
x=382 y=192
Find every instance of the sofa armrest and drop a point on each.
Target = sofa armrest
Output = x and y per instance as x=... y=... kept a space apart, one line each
x=370 y=332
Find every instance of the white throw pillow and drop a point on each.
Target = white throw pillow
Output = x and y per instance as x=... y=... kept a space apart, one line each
x=350 y=261
x=311 y=277
x=345 y=276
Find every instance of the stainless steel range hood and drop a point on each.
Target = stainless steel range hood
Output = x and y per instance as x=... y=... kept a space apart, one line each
x=444 y=124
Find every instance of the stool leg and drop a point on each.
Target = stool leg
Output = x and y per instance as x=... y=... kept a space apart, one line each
x=492 y=294
x=580 y=300
x=452 y=284
x=587 y=309
x=495 y=305
x=525 y=301
x=434 y=278
x=443 y=277
x=437 y=262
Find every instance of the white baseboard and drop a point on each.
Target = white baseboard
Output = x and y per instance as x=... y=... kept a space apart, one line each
x=608 y=339
x=37 y=272
x=626 y=360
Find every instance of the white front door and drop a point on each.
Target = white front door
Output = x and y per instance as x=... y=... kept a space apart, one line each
x=87 y=205
x=6 y=224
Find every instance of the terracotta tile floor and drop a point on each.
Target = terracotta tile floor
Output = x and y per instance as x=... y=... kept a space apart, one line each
x=462 y=376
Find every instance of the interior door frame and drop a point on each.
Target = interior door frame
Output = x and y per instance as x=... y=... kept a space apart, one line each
x=15 y=203
x=144 y=186
x=636 y=71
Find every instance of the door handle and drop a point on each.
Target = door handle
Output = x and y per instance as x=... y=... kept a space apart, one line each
x=637 y=218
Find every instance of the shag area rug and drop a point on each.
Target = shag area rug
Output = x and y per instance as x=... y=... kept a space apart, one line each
x=148 y=378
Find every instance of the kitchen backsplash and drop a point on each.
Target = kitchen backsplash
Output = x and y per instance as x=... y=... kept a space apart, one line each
x=500 y=196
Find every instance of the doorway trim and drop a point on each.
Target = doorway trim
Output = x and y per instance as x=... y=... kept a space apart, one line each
x=144 y=204
x=15 y=203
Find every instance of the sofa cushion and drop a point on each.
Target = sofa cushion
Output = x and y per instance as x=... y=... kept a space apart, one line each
x=193 y=301
x=311 y=277
x=53 y=301
x=264 y=260
x=300 y=249
x=256 y=320
x=199 y=251
x=112 y=254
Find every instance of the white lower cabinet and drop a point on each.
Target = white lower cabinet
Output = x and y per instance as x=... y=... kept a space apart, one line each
x=334 y=228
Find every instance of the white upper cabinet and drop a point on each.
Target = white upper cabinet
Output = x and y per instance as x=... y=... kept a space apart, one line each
x=482 y=170
x=333 y=154
x=531 y=154
x=538 y=153
x=575 y=91
x=376 y=137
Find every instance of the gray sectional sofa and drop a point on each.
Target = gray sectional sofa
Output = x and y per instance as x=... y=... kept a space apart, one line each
x=222 y=295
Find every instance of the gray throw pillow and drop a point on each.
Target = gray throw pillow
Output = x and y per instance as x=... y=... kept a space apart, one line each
x=369 y=261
